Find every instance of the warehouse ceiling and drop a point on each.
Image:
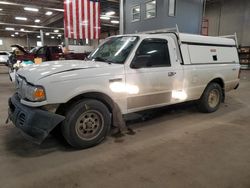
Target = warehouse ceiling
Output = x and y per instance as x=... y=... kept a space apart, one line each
x=46 y=15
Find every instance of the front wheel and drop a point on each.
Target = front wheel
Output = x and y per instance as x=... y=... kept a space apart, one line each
x=211 y=98
x=86 y=124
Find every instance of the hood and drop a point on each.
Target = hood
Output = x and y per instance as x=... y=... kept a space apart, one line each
x=34 y=73
x=20 y=48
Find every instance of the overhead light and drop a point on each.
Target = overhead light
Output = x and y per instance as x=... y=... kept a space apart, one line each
x=38 y=37
x=22 y=29
x=21 y=18
x=115 y=21
x=52 y=37
x=31 y=9
x=56 y=31
x=13 y=35
x=9 y=29
x=1 y=9
x=110 y=13
x=59 y=35
x=47 y=34
x=37 y=20
x=49 y=13
x=105 y=18
x=16 y=33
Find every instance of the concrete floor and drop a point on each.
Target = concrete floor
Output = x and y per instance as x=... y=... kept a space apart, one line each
x=174 y=147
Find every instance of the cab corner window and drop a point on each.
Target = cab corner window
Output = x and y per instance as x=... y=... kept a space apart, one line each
x=172 y=8
x=136 y=11
x=151 y=9
x=152 y=53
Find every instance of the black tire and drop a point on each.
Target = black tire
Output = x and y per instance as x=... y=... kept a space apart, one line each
x=82 y=118
x=211 y=98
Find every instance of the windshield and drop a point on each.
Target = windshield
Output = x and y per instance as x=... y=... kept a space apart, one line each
x=114 y=50
x=33 y=50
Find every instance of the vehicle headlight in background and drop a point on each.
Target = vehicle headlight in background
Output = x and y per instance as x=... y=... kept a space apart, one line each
x=35 y=93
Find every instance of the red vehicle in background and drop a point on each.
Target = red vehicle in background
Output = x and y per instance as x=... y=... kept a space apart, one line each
x=46 y=53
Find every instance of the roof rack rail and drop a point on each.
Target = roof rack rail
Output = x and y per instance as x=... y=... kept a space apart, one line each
x=165 y=30
x=232 y=37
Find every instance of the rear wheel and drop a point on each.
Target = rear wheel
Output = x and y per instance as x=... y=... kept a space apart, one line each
x=211 y=98
x=87 y=123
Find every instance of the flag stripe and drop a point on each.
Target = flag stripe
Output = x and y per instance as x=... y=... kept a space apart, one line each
x=88 y=12
x=74 y=18
x=82 y=19
x=71 y=19
x=66 y=20
x=91 y=20
x=86 y=19
x=77 y=19
x=94 y=20
x=99 y=21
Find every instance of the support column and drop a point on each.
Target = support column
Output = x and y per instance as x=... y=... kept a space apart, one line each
x=121 y=17
x=42 y=37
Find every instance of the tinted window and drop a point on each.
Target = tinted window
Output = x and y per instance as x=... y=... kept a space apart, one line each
x=3 y=53
x=56 y=50
x=41 y=51
x=157 y=52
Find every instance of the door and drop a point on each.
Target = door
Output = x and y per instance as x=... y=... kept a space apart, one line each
x=156 y=73
x=41 y=53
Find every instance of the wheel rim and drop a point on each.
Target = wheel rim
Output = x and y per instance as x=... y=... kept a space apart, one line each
x=89 y=125
x=213 y=98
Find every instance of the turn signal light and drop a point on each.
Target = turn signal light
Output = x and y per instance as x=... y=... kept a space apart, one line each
x=39 y=94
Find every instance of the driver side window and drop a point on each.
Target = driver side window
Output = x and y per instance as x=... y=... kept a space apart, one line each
x=154 y=52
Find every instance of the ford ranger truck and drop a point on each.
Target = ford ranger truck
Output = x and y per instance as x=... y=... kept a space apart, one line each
x=125 y=74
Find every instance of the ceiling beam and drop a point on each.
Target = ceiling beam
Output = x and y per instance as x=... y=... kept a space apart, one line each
x=26 y=5
x=31 y=26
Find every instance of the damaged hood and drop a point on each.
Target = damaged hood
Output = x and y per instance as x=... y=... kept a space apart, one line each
x=34 y=73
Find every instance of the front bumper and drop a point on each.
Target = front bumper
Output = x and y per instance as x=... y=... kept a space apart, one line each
x=35 y=124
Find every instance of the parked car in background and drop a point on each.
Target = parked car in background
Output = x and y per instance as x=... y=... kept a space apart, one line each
x=46 y=53
x=4 y=57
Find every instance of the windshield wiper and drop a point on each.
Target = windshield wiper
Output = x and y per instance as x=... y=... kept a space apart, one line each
x=102 y=59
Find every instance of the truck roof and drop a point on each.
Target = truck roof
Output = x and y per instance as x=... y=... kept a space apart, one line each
x=192 y=38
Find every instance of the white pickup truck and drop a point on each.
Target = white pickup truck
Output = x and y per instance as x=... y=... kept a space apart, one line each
x=125 y=74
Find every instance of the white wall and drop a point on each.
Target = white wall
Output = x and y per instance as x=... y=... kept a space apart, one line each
x=228 y=17
x=8 y=41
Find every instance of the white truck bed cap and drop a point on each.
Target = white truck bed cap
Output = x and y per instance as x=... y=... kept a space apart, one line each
x=191 y=38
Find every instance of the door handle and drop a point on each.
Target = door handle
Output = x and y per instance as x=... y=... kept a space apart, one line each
x=234 y=69
x=171 y=73
x=115 y=80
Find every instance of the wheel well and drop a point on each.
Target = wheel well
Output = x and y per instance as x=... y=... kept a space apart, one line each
x=221 y=83
x=92 y=95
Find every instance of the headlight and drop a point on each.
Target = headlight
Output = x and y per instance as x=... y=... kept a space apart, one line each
x=35 y=93
x=28 y=91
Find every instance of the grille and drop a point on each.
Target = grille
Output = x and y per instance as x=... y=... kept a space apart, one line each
x=21 y=119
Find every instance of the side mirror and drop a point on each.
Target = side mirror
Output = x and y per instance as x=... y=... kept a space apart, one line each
x=140 y=61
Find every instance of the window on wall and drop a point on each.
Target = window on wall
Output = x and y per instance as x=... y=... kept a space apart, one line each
x=1 y=42
x=151 y=9
x=136 y=12
x=172 y=8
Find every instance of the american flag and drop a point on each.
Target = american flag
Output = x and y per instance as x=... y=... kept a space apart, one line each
x=82 y=19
